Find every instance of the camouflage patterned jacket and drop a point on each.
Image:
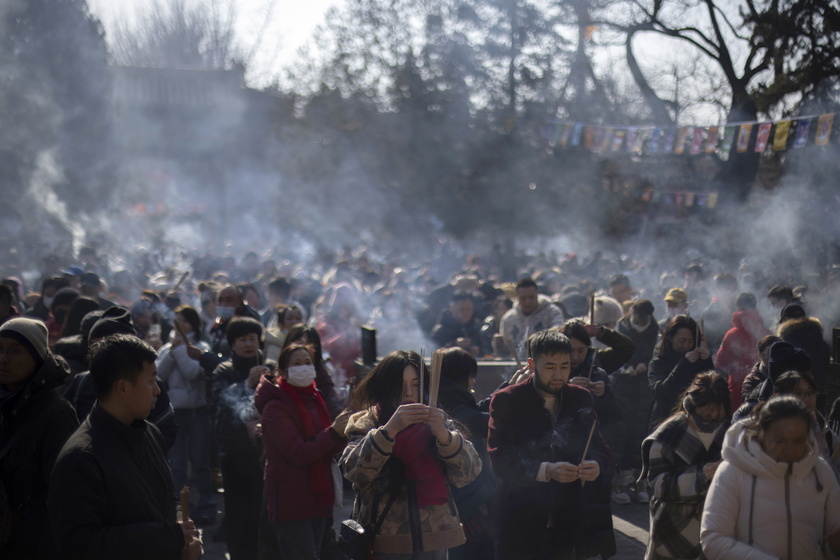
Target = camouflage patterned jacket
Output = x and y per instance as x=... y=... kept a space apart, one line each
x=408 y=527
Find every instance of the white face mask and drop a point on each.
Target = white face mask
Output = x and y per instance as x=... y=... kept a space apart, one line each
x=48 y=301
x=302 y=376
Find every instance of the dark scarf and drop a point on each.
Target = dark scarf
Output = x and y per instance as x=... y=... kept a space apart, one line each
x=412 y=447
x=320 y=478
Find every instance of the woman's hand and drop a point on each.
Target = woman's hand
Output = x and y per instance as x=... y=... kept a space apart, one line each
x=405 y=416
x=254 y=375
x=709 y=469
x=692 y=356
x=519 y=376
x=340 y=422
x=437 y=422
x=589 y=470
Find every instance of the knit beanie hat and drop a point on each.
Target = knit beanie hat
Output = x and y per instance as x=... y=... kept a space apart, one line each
x=115 y=320
x=88 y=321
x=607 y=310
x=64 y=296
x=785 y=357
x=30 y=333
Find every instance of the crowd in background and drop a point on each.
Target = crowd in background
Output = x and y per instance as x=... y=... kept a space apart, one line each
x=257 y=356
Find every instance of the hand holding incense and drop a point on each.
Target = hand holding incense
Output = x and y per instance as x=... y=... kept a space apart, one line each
x=185 y=504
x=422 y=374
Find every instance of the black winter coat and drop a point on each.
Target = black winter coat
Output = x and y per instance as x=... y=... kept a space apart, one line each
x=37 y=422
x=669 y=375
x=112 y=495
x=522 y=435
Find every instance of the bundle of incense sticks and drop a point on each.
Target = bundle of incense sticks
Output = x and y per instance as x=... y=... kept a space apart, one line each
x=185 y=504
x=434 y=377
x=592 y=308
x=586 y=449
x=591 y=366
x=512 y=349
x=422 y=374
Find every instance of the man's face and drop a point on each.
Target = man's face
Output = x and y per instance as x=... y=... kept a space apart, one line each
x=142 y=395
x=551 y=372
x=16 y=363
x=246 y=346
x=462 y=310
x=228 y=297
x=528 y=300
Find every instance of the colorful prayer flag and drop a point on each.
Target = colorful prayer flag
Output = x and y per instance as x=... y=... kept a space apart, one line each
x=713 y=198
x=711 y=140
x=630 y=138
x=682 y=136
x=588 y=134
x=696 y=141
x=653 y=143
x=577 y=132
x=781 y=137
x=618 y=138
x=728 y=139
x=641 y=138
x=566 y=134
x=802 y=129
x=824 y=129
x=762 y=137
x=744 y=133
x=689 y=199
x=670 y=137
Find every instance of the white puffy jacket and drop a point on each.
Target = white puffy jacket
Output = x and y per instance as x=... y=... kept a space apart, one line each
x=759 y=509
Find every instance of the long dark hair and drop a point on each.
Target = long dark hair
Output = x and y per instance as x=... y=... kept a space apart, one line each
x=384 y=384
x=671 y=327
x=459 y=366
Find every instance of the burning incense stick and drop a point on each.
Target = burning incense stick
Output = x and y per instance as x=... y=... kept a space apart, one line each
x=586 y=449
x=181 y=281
x=185 y=504
x=434 y=377
x=591 y=366
x=512 y=349
x=422 y=374
x=180 y=332
x=592 y=308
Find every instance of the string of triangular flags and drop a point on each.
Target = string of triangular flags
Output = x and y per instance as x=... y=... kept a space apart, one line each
x=687 y=199
x=779 y=135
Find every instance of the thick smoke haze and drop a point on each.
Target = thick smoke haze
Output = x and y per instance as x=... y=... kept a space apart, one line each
x=182 y=162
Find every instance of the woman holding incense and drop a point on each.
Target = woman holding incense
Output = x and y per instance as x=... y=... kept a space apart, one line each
x=300 y=444
x=186 y=383
x=586 y=372
x=678 y=357
x=679 y=460
x=401 y=457
x=232 y=385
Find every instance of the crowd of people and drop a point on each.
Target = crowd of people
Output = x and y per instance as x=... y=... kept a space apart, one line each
x=699 y=390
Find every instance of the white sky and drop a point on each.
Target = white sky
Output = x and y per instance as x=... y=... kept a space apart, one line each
x=291 y=24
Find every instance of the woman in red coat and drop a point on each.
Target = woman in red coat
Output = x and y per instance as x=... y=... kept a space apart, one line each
x=738 y=352
x=299 y=445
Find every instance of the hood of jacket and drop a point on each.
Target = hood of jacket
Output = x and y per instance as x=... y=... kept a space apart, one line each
x=750 y=321
x=806 y=326
x=362 y=422
x=745 y=452
x=267 y=391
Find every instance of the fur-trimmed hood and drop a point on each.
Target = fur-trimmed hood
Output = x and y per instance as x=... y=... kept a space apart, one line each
x=794 y=328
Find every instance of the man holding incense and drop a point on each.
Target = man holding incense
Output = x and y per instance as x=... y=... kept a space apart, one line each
x=551 y=461
x=111 y=492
